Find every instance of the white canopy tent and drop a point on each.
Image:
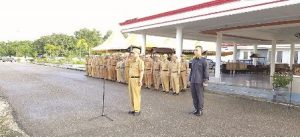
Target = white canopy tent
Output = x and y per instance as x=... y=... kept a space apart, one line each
x=116 y=41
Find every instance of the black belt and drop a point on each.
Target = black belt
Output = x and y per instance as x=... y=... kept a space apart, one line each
x=148 y=69
x=183 y=71
x=165 y=70
x=174 y=71
x=156 y=69
x=134 y=77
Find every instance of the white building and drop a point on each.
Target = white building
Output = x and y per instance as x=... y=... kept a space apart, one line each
x=282 y=53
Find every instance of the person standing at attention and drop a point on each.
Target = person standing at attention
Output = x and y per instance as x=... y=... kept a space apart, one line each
x=199 y=77
x=136 y=73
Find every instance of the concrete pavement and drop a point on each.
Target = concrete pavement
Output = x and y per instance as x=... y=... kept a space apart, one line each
x=51 y=101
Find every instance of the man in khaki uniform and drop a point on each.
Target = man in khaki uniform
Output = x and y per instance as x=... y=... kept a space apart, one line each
x=93 y=64
x=113 y=67
x=184 y=66
x=97 y=67
x=148 y=71
x=136 y=73
x=143 y=57
x=175 y=73
x=165 y=74
x=156 y=72
x=101 y=66
x=118 y=69
x=86 y=65
x=105 y=67
x=122 y=68
x=90 y=65
x=109 y=67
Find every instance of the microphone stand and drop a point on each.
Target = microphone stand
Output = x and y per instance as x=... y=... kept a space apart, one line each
x=103 y=103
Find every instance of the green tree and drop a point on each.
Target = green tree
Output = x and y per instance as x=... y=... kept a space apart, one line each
x=2 y=49
x=65 y=43
x=106 y=36
x=81 y=45
x=52 y=50
x=10 y=48
x=23 y=48
x=92 y=37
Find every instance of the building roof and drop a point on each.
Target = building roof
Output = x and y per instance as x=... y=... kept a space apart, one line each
x=178 y=11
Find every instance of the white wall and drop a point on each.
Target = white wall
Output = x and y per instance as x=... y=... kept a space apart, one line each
x=286 y=56
x=298 y=57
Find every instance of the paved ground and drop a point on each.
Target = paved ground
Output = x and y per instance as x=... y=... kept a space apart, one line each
x=56 y=102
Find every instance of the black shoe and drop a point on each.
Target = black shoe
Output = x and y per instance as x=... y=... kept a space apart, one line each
x=174 y=93
x=136 y=113
x=198 y=113
x=177 y=93
x=193 y=112
x=130 y=112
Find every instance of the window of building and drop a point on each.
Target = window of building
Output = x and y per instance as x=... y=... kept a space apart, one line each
x=296 y=57
x=245 y=55
x=279 y=57
x=269 y=56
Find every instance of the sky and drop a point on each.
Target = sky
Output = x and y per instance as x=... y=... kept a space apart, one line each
x=30 y=19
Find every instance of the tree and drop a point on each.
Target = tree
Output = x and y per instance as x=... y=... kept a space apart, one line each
x=92 y=37
x=10 y=48
x=81 y=44
x=65 y=43
x=52 y=50
x=108 y=33
x=2 y=49
x=23 y=48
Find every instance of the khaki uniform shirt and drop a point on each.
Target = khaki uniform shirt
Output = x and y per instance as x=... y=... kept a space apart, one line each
x=175 y=67
x=164 y=65
x=148 y=65
x=136 y=67
x=156 y=66
x=184 y=66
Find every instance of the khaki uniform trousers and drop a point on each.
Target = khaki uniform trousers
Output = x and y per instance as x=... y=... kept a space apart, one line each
x=87 y=69
x=119 y=78
x=109 y=73
x=175 y=82
x=90 y=70
x=165 y=79
x=126 y=74
x=183 y=80
x=100 y=71
x=148 y=78
x=156 y=79
x=134 y=94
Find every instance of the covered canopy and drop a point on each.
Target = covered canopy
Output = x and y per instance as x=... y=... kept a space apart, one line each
x=116 y=41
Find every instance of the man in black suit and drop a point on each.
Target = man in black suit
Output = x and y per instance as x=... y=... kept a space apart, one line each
x=199 y=77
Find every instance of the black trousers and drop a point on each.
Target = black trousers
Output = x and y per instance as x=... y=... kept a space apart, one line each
x=197 y=90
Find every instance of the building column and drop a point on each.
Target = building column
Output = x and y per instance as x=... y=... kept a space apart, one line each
x=143 y=47
x=179 y=40
x=292 y=55
x=218 y=55
x=255 y=52
x=272 y=62
x=234 y=52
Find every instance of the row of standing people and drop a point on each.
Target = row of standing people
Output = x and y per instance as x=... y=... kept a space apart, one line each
x=171 y=75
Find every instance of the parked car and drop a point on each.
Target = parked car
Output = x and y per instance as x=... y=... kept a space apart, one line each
x=211 y=63
x=8 y=59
